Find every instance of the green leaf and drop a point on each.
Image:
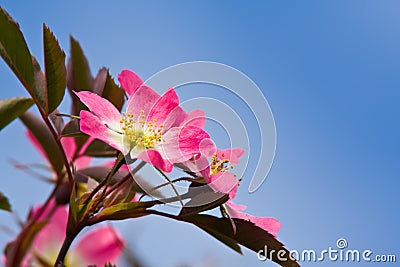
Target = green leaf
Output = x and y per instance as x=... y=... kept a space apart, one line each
x=4 y=203
x=79 y=77
x=73 y=207
x=58 y=121
x=40 y=90
x=56 y=73
x=105 y=86
x=71 y=129
x=98 y=173
x=12 y=108
x=45 y=139
x=14 y=50
x=247 y=234
x=124 y=211
x=202 y=202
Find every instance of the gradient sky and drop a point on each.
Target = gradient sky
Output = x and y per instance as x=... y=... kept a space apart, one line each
x=330 y=72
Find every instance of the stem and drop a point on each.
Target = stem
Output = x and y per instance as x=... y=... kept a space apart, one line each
x=172 y=185
x=188 y=179
x=117 y=165
x=68 y=115
x=65 y=247
x=64 y=157
x=128 y=176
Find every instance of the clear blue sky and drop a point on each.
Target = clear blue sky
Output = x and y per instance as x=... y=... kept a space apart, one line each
x=330 y=71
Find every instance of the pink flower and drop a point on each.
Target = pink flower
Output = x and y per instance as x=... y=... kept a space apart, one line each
x=97 y=247
x=154 y=128
x=219 y=178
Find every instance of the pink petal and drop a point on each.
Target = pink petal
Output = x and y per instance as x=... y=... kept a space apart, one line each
x=101 y=107
x=93 y=126
x=36 y=144
x=100 y=246
x=181 y=144
x=154 y=158
x=54 y=232
x=232 y=155
x=69 y=146
x=129 y=81
x=175 y=118
x=224 y=182
x=271 y=225
x=144 y=99
x=82 y=162
x=196 y=118
x=164 y=106
x=39 y=214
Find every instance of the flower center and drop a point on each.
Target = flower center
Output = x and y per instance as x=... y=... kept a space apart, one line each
x=218 y=165
x=221 y=165
x=139 y=133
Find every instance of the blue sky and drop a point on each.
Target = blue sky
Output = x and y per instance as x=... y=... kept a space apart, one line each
x=330 y=72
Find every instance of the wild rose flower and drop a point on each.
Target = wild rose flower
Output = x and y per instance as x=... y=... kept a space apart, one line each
x=218 y=177
x=153 y=128
x=97 y=247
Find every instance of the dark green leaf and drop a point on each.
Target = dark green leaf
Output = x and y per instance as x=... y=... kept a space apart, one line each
x=73 y=207
x=71 y=129
x=79 y=77
x=45 y=139
x=40 y=90
x=98 y=173
x=54 y=62
x=58 y=121
x=14 y=50
x=12 y=108
x=202 y=202
x=247 y=234
x=105 y=86
x=4 y=203
x=98 y=148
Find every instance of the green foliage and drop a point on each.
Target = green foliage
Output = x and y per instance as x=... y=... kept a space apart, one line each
x=12 y=108
x=4 y=203
x=105 y=86
x=56 y=73
x=246 y=234
x=14 y=50
x=79 y=77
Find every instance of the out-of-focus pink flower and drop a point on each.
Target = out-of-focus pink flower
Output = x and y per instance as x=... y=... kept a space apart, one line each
x=97 y=247
x=70 y=150
x=154 y=128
